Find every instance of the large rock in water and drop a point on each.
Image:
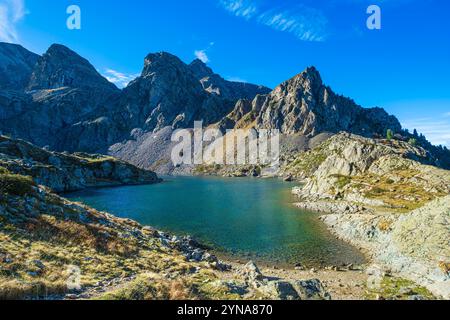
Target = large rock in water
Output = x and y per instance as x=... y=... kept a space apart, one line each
x=282 y=289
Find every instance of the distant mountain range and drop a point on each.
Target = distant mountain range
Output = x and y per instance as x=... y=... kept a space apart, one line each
x=59 y=100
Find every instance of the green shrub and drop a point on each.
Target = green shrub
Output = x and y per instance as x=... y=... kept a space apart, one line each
x=389 y=134
x=16 y=184
x=413 y=142
x=342 y=181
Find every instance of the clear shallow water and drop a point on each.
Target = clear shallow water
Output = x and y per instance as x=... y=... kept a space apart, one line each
x=242 y=218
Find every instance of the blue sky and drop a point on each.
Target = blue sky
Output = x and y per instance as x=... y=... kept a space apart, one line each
x=404 y=67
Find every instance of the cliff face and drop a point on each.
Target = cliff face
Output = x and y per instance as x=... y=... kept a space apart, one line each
x=61 y=67
x=168 y=94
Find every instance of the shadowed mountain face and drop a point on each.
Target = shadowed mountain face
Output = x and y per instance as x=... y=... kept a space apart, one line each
x=61 y=67
x=59 y=100
x=16 y=66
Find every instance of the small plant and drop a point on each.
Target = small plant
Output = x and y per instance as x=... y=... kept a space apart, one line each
x=3 y=170
x=342 y=181
x=413 y=142
x=389 y=134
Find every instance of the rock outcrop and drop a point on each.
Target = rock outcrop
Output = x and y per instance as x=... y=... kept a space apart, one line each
x=414 y=246
x=367 y=171
x=168 y=94
x=63 y=172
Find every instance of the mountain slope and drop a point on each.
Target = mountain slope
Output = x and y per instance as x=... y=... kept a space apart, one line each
x=67 y=105
x=61 y=67
x=16 y=66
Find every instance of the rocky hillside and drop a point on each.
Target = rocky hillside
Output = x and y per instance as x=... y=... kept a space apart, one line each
x=304 y=105
x=63 y=172
x=384 y=197
x=60 y=67
x=377 y=173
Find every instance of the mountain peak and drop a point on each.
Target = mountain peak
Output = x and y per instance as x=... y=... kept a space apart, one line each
x=309 y=80
x=62 y=67
x=16 y=66
x=56 y=47
x=161 y=57
x=158 y=60
x=312 y=75
x=200 y=69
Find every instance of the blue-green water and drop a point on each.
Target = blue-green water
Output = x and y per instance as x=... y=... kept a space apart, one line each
x=242 y=218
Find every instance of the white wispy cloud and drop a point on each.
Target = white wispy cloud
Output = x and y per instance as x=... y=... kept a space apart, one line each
x=11 y=12
x=201 y=54
x=240 y=8
x=120 y=79
x=307 y=24
x=236 y=79
x=437 y=131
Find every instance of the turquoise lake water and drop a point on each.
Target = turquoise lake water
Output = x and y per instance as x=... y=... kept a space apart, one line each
x=238 y=218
